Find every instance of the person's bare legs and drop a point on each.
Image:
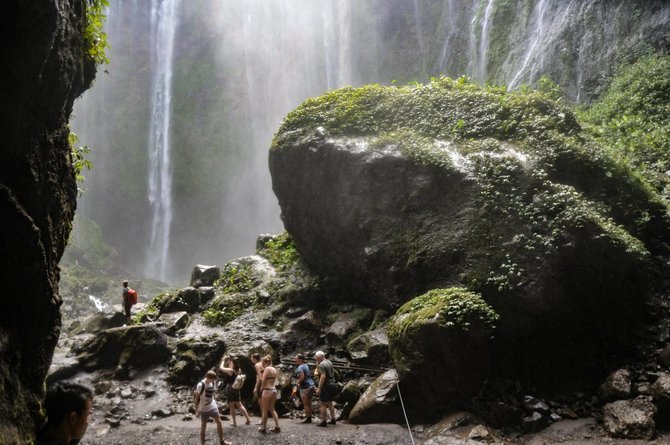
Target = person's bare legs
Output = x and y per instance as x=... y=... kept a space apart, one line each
x=264 y=410
x=203 y=424
x=231 y=405
x=273 y=399
x=323 y=412
x=219 y=428
x=331 y=405
x=307 y=403
x=244 y=411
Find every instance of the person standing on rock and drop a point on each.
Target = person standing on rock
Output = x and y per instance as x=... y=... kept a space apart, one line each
x=68 y=406
x=127 y=301
x=324 y=391
x=269 y=397
x=305 y=386
x=230 y=368
x=205 y=406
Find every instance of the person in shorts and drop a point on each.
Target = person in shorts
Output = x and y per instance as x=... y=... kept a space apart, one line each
x=326 y=379
x=305 y=386
x=230 y=368
x=205 y=406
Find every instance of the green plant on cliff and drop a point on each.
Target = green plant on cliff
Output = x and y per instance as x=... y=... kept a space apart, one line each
x=226 y=308
x=95 y=37
x=79 y=160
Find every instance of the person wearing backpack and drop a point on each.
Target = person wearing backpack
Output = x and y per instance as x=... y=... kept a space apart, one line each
x=205 y=406
x=230 y=368
x=129 y=299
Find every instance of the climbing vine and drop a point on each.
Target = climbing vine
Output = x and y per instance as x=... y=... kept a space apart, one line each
x=94 y=36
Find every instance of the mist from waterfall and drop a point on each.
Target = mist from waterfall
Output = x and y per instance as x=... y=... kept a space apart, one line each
x=163 y=27
x=181 y=125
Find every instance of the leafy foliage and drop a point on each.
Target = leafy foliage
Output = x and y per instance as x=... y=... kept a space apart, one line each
x=281 y=251
x=95 y=37
x=79 y=160
x=631 y=119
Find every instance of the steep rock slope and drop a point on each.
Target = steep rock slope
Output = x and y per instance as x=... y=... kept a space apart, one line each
x=45 y=68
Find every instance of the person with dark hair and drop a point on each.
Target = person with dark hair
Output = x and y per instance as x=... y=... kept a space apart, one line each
x=230 y=368
x=127 y=304
x=305 y=386
x=68 y=406
x=206 y=408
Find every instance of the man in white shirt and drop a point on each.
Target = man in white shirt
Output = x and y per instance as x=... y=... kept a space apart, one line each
x=205 y=406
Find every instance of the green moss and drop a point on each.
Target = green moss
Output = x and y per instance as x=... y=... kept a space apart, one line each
x=281 y=252
x=444 y=109
x=226 y=308
x=235 y=279
x=452 y=308
x=152 y=309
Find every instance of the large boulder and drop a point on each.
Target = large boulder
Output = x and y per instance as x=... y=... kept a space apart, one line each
x=193 y=357
x=439 y=343
x=124 y=349
x=630 y=419
x=390 y=192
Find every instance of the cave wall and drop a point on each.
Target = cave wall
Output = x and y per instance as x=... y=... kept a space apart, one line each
x=45 y=67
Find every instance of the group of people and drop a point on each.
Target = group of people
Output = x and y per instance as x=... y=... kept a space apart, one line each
x=266 y=391
x=68 y=405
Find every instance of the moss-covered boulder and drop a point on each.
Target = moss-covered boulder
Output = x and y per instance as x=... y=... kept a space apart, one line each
x=439 y=343
x=389 y=192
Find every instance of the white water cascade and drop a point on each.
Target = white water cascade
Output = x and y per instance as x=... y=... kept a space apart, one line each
x=163 y=26
x=482 y=55
x=534 y=47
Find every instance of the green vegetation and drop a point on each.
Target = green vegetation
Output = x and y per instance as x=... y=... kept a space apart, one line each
x=631 y=119
x=281 y=251
x=446 y=109
x=95 y=37
x=226 y=308
x=235 y=279
x=452 y=308
x=152 y=310
x=79 y=160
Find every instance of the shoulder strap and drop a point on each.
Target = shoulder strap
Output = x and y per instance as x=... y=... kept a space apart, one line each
x=203 y=387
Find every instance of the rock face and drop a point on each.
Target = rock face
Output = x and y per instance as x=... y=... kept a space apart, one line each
x=390 y=192
x=45 y=69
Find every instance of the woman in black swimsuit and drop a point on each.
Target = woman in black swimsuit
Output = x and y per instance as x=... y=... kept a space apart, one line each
x=269 y=396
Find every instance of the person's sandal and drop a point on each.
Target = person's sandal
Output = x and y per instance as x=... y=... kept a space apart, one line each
x=225 y=442
x=248 y=422
x=262 y=430
x=275 y=429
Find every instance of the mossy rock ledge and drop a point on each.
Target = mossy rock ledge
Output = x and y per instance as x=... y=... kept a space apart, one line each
x=389 y=192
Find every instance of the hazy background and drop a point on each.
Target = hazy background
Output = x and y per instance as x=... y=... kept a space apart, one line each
x=181 y=122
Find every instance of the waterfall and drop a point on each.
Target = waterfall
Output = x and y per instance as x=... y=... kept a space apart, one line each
x=482 y=72
x=418 y=29
x=536 y=37
x=163 y=26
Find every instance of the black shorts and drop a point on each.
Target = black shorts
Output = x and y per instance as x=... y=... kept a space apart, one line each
x=232 y=394
x=326 y=394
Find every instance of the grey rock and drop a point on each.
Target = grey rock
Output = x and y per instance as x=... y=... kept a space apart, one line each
x=630 y=419
x=380 y=402
x=617 y=386
x=204 y=275
x=369 y=348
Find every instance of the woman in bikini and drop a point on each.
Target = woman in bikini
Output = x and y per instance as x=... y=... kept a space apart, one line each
x=269 y=396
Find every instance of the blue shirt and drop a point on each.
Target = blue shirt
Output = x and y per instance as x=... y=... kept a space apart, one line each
x=307 y=379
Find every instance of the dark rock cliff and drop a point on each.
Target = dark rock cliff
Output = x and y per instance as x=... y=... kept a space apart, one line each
x=45 y=68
